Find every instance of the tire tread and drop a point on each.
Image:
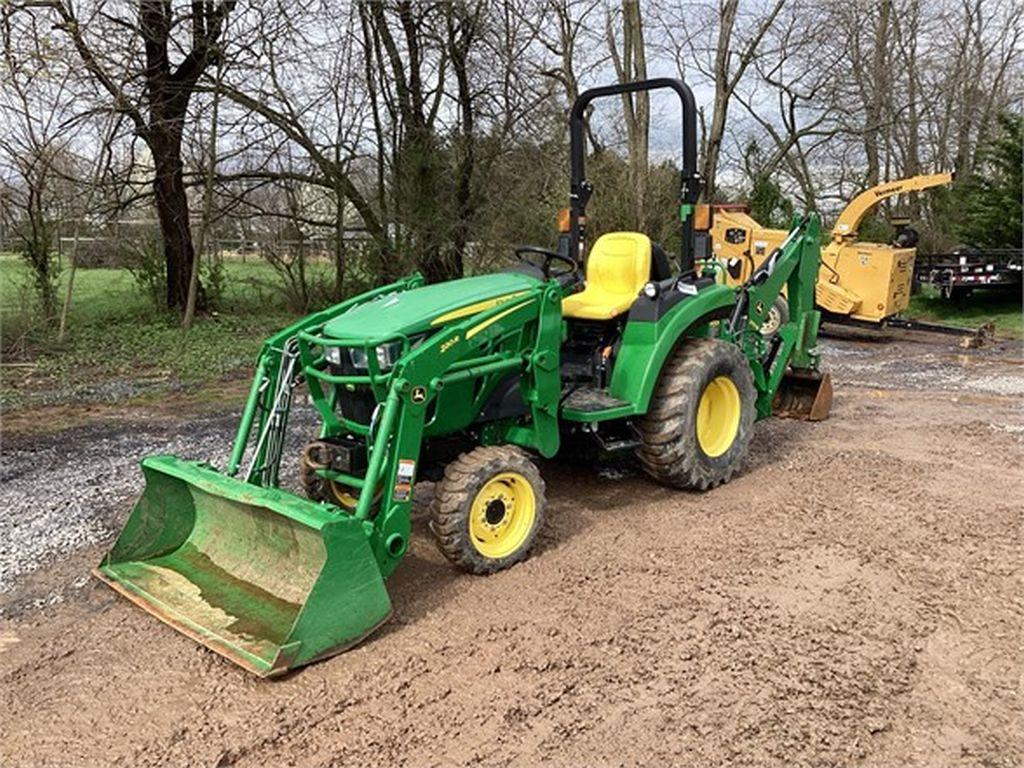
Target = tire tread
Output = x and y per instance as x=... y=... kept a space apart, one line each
x=669 y=451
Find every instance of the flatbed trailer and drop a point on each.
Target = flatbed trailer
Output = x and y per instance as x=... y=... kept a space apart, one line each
x=965 y=270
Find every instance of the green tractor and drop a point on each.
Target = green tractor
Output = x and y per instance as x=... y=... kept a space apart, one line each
x=466 y=381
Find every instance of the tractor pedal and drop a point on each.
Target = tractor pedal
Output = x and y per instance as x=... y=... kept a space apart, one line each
x=626 y=439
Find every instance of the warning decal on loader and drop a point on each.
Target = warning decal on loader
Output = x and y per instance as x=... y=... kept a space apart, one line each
x=403 y=480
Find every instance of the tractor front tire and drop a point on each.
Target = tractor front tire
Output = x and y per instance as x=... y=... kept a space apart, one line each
x=314 y=456
x=701 y=418
x=488 y=509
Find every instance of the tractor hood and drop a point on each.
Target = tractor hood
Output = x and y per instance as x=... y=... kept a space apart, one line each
x=420 y=309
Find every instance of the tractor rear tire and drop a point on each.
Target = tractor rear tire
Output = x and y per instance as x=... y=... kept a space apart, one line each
x=488 y=509
x=697 y=430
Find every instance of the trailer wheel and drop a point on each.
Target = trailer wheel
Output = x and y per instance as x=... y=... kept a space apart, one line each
x=955 y=293
x=488 y=509
x=700 y=421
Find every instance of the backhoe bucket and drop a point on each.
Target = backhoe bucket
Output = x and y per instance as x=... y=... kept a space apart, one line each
x=804 y=394
x=265 y=578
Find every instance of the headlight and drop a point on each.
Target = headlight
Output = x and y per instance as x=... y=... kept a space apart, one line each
x=387 y=356
x=332 y=355
x=358 y=357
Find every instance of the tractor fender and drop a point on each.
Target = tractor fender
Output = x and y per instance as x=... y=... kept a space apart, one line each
x=646 y=345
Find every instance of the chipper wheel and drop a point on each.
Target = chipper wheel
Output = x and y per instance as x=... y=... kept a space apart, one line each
x=488 y=509
x=701 y=418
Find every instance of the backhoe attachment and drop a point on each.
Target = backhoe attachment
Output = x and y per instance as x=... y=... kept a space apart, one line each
x=804 y=394
x=786 y=368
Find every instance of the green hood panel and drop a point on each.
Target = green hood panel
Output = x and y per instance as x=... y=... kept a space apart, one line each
x=417 y=310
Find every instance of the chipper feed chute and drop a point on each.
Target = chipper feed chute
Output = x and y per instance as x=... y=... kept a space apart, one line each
x=265 y=578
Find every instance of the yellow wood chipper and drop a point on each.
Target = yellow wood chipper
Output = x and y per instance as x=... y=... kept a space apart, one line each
x=859 y=281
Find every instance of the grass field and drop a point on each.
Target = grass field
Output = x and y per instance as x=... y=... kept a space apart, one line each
x=1002 y=309
x=116 y=333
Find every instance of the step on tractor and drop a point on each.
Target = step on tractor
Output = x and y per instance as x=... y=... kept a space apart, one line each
x=466 y=382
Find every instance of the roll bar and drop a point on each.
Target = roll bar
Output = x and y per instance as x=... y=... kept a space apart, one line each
x=689 y=182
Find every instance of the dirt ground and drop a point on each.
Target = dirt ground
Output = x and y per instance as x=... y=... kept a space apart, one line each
x=854 y=597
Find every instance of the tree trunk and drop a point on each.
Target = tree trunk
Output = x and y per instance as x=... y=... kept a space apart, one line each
x=63 y=329
x=639 y=145
x=879 y=83
x=38 y=241
x=172 y=211
x=459 y=42
x=713 y=144
x=906 y=34
x=422 y=192
x=339 y=245
x=204 y=225
x=630 y=67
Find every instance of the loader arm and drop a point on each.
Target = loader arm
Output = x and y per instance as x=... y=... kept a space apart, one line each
x=849 y=220
x=268 y=389
x=273 y=581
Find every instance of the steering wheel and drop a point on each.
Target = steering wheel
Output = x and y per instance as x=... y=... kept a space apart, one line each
x=523 y=251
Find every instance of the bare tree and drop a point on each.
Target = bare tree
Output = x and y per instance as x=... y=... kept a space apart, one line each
x=871 y=26
x=299 y=118
x=36 y=151
x=405 y=42
x=729 y=68
x=86 y=201
x=721 y=43
x=791 y=101
x=207 y=211
x=569 y=44
x=148 y=63
x=631 y=65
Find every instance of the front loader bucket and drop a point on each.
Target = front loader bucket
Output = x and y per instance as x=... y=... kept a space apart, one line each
x=804 y=394
x=268 y=579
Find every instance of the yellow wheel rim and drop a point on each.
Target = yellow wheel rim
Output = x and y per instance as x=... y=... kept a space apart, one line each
x=345 y=498
x=718 y=416
x=343 y=495
x=502 y=515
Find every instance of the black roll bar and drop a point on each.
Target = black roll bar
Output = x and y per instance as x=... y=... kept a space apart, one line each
x=689 y=182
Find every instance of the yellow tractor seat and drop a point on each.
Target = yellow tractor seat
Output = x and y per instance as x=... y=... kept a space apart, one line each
x=618 y=266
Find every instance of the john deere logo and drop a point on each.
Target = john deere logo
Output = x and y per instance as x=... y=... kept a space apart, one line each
x=419 y=394
x=448 y=344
